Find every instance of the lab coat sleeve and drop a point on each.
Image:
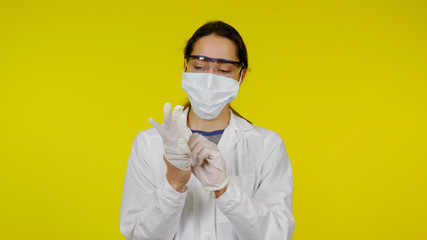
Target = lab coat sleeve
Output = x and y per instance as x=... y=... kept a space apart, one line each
x=147 y=211
x=268 y=214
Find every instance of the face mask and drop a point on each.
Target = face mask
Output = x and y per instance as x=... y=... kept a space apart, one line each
x=209 y=93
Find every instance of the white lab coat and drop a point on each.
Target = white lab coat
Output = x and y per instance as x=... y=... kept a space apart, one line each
x=256 y=205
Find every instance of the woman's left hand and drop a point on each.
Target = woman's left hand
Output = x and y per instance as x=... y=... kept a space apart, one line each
x=208 y=164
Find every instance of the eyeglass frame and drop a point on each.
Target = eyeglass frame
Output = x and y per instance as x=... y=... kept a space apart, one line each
x=242 y=65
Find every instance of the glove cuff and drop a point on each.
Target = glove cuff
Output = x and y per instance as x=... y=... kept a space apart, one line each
x=221 y=186
x=181 y=161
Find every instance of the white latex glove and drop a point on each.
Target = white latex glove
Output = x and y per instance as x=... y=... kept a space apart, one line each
x=175 y=136
x=208 y=163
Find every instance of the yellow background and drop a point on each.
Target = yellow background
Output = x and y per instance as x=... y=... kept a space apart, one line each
x=343 y=83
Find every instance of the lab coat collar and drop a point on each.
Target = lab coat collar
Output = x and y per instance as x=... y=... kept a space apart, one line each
x=238 y=124
x=232 y=137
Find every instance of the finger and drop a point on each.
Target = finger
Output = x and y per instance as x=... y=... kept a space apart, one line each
x=191 y=140
x=177 y=112
x=155 y=124
x=167 y=114
x=195 y=153
x=182 y=124
x=200 y=138
x=194 y=138
x=192 y=143
x=196 y=148
x=206 y=154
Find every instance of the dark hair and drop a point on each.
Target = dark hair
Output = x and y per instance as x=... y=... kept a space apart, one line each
x=222 y=29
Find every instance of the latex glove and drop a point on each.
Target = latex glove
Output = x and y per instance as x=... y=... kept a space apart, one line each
x=208 y=164
x=175 y=134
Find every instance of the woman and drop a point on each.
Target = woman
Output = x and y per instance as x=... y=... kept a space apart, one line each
x=206 y=172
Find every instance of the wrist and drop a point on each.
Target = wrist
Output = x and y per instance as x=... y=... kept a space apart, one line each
x=220 y=192
x=180 y=189
x=179 y=186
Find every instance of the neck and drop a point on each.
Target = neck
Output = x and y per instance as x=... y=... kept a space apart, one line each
x=219 y=123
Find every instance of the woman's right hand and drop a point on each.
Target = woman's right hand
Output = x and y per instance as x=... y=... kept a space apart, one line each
x=177 y=155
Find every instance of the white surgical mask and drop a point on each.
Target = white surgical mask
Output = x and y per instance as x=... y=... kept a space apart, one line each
x=209 y=93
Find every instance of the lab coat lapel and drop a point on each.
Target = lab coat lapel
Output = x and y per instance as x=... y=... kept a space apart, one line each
x=247 y=145
x=229 y=139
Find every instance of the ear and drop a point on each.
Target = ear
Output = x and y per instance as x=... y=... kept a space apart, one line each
x=185 y=67
x=243 y=74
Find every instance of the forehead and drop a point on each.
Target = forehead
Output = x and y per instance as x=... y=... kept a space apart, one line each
x=215 y=46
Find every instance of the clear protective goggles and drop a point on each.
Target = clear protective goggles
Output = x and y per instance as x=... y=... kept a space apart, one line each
x=223 y=67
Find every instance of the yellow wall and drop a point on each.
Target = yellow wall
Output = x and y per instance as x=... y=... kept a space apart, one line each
x=343 y=82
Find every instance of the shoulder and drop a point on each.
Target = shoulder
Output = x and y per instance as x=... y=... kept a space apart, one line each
x=268 y=135
x=147 y=134
x=264 y=146
x=145 y=138
x=256 y=131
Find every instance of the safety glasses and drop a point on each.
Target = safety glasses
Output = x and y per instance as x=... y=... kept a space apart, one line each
x=223 y=67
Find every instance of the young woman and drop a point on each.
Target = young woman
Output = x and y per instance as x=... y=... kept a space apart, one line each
x=206 y=172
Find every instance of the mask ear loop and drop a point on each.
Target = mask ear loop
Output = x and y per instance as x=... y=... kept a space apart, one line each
x=185 y=64
x=241 y=75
